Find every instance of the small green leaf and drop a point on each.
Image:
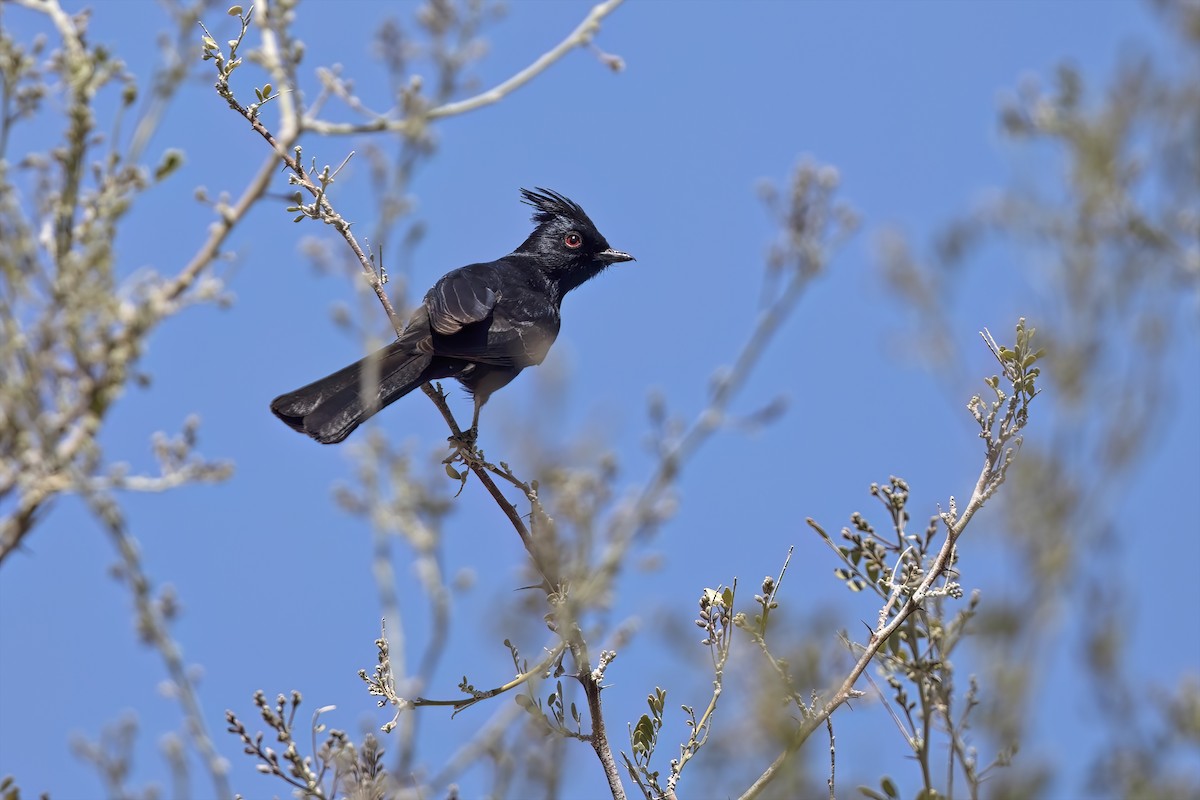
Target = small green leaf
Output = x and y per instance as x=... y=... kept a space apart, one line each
x=643 y=735
x=656 y=701
x=234 y=11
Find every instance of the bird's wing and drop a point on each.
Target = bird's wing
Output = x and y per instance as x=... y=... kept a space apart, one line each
x=462 y=297
x=472 y=319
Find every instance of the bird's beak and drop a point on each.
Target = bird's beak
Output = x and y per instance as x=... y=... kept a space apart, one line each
x=611 y=256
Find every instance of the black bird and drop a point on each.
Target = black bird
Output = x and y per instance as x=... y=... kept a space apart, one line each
x=481 y=324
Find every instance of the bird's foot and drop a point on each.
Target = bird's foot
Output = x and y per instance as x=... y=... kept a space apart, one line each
x=463 y=445
x=463 y=451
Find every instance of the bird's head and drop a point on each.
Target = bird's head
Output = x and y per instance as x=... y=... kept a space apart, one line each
x=565 y=240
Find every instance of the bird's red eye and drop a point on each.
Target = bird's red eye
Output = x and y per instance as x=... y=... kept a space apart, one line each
x=573 y=240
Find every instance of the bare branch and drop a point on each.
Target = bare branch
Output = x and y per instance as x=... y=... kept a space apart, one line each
x=580 y=37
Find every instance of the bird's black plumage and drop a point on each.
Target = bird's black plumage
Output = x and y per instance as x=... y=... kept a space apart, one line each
x=482 y=324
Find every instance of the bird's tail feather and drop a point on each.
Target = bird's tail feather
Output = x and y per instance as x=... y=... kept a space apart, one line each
x=329 y=409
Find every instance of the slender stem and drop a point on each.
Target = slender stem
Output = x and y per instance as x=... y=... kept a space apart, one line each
x=832 y=758
x=458 y=704
x=599 y=737
x=580 y=37
x=480 y=470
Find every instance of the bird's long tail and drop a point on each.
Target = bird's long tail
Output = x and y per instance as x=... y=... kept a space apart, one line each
x=330 y=408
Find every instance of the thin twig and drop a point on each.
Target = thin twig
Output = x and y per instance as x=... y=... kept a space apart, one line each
x=832 y=757
x=458 y=704
x=599 y=737
x=580 y=37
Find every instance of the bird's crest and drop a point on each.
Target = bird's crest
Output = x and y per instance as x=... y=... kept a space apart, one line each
x=551 y=204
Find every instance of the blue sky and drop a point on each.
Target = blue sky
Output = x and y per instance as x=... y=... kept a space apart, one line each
x=665 y=157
